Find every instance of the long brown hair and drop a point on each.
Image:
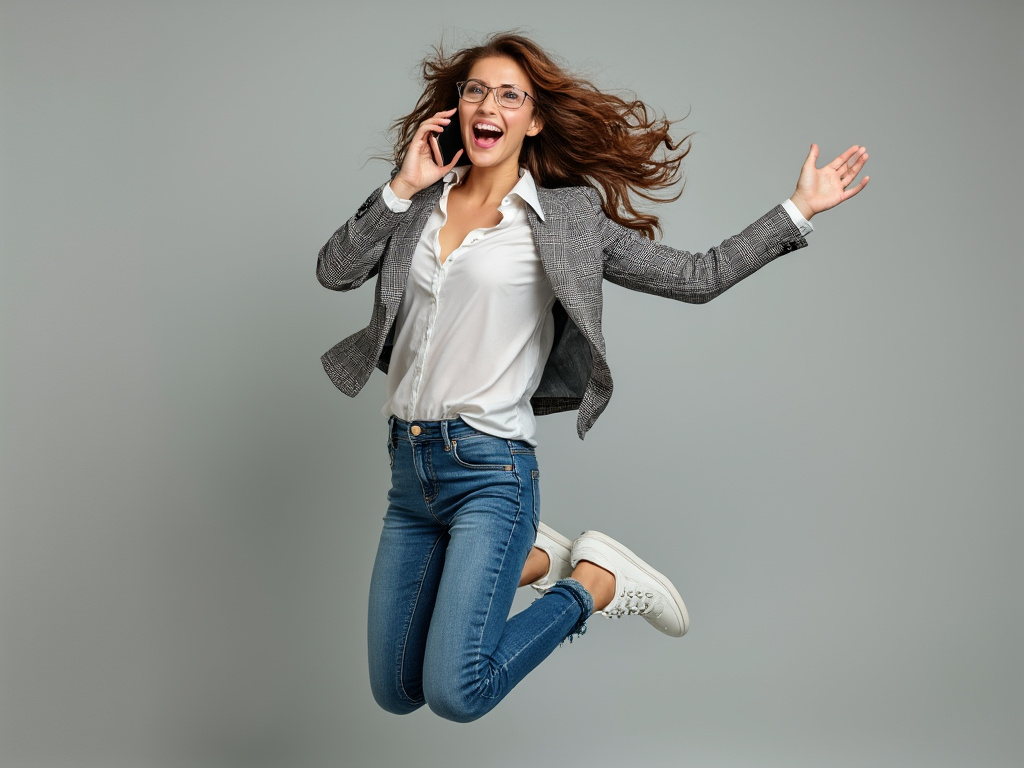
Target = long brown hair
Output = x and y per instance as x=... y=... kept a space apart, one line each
x=590 y=138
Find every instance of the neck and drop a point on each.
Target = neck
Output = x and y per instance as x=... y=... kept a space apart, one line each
x=490 y=185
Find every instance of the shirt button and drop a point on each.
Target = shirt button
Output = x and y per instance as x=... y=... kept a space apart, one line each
x=415 y=429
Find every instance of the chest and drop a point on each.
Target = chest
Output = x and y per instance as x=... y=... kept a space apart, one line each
x=498 y=264
x=463 y=218
x=565 y=255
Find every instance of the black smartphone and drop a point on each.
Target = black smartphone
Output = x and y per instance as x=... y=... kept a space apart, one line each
x=449 y=142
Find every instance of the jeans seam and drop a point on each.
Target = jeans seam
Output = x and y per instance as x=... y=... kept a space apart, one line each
x=569 y=607
x=409 y=622
x=535 y=479
x=422 y=461
x=494 y=585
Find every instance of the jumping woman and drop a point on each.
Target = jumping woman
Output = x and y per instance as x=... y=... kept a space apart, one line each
x=487 y=313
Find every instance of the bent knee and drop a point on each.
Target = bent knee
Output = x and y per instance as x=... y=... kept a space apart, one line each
x=395 y=702
x=397 y=707
x=459 y=707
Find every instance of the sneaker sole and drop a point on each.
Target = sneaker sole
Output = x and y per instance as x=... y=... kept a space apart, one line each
x=657 y=576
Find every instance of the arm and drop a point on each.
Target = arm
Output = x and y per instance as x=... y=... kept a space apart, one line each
x=353 y=253
x=633 y=261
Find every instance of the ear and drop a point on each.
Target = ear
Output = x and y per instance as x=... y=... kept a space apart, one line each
x=536 y=125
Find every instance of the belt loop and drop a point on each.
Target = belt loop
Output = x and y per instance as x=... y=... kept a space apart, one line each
x=444 y=434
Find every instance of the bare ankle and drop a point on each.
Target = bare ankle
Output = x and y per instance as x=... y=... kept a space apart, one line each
x=598 y=581
x=536 y=566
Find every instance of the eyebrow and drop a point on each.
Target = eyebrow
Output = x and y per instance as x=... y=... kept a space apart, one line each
x=503 y=85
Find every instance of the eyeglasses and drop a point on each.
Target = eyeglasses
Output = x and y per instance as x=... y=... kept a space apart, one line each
x=506 y=96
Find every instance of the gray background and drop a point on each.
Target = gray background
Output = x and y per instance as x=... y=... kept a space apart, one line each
x=827 y=460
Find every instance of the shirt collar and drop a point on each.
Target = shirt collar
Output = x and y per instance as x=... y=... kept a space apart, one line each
x=525 y=189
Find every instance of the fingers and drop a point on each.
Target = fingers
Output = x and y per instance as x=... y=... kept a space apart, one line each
x=849 y=170
x=422 y=165
x=859 y=161
x=435 y=151
x=842 y=160
x=851 y=192
x=435 y=124
x=424 y=142
x=454 y=162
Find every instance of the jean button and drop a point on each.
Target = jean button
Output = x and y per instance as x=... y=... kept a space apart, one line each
x=415 y=430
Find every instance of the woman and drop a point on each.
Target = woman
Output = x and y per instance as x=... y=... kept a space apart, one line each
x=488 y=313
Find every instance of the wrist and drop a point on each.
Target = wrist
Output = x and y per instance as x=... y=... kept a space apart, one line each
x=402 y=189
x=805 y=210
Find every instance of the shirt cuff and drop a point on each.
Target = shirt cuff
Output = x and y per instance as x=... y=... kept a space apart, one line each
x=802 y=224
x=397 y=204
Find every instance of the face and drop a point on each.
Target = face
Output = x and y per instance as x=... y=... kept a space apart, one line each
x=493 y=135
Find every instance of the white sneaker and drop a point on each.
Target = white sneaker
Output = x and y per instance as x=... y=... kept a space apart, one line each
x=639 y=589
x=558 y=549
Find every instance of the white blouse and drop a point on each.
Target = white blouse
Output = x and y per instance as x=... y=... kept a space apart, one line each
x=472 y=334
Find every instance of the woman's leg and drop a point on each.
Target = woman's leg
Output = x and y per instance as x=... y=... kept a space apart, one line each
x=403 y=588
x=461 y=524
x=475 y=654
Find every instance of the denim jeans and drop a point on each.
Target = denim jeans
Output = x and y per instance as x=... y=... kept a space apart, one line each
x=462 y=517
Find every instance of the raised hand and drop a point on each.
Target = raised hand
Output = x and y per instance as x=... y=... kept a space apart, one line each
x=420 y=167
x=819 y=189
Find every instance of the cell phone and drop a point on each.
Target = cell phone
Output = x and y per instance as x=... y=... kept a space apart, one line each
x=449 y=142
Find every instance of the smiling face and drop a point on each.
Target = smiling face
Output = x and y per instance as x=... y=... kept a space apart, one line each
x=493 y=135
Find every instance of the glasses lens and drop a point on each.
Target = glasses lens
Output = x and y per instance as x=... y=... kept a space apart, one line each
x=512 y=98
x=474 y=91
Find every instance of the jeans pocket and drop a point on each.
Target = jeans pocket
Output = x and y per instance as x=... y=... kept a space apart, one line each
x=391 y=450
x=483 y=452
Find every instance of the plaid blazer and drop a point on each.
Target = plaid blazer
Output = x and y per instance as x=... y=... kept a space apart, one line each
x=579 y=247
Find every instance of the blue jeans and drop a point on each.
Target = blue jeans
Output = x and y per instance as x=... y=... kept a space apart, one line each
x=462 y=517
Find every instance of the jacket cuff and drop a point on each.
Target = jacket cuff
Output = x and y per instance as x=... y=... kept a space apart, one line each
x=375 y=208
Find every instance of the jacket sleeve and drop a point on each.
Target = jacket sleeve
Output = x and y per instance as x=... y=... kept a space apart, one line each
x=354 y=252
x=636 y=262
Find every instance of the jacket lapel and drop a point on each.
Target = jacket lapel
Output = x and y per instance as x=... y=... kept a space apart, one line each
x=395 y=268
x=573 y=268
x=549 y=237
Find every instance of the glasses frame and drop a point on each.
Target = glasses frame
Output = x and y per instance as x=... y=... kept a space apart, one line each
x=461 y=84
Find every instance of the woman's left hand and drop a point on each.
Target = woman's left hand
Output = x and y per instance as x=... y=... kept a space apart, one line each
x=819 y=189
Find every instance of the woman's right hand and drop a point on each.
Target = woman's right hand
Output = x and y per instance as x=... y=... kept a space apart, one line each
x=420 y=169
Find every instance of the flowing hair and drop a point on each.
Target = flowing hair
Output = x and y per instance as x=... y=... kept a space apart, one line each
x=590 y=138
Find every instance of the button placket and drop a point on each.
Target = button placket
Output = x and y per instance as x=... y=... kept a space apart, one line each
x=436 y=283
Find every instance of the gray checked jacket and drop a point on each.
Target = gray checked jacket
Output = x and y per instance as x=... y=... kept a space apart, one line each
x=579 y=247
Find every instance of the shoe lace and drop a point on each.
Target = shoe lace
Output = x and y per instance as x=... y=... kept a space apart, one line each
x=631 y=601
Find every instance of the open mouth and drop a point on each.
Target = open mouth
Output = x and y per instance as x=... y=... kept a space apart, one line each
x=486 y=135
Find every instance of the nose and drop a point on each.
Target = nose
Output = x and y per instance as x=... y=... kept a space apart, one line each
x=493 y=93
x=482 y=105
